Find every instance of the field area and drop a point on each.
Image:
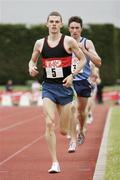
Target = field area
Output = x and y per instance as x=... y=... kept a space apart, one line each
x=113 y=148
x=28 y=86
x=111 y=94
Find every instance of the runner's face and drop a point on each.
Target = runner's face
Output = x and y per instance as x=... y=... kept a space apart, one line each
x=54 y=24
x=75 y=30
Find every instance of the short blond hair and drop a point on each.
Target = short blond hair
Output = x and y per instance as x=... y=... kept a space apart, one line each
x=54 y=13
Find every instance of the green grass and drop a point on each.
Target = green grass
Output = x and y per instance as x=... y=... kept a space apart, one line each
x=25 y=87
x=16 y=88
x=28 y=85
x=112 y=88
x=113 y=149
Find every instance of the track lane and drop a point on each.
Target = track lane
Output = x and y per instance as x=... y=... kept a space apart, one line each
x=33 y=163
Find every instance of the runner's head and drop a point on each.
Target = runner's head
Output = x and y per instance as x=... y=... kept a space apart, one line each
x=54 y=22
x=75 y=25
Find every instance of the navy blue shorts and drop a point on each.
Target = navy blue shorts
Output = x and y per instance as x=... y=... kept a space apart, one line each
x=57 y=93
x=83 y=88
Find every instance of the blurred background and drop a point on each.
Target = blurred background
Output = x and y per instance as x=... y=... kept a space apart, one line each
x=22 y=22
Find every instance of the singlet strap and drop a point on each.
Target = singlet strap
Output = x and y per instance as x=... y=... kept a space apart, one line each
x=85 y=44
x=62 y=39
x=83 y=38
x=45 y=40
x=60 y=42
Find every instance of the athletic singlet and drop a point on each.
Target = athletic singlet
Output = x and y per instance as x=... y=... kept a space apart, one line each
x=56 y=62
x=86 y=71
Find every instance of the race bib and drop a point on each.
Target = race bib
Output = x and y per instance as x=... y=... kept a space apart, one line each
x=75 y=63
x=54 y=69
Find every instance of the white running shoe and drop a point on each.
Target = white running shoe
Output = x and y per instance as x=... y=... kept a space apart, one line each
x=72 y=147
x=55 y=168
x=68 y=136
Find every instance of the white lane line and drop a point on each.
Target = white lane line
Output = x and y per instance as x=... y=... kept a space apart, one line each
x=18 y=123
x=102 y=156
x=21 y=150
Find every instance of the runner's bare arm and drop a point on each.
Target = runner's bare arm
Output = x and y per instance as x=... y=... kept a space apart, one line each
x=79 y=54
x=91 y=52
x=33 y=61
x=82 y=60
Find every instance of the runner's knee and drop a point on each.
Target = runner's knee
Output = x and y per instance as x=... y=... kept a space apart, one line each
x=50 y=125
x=73 y=109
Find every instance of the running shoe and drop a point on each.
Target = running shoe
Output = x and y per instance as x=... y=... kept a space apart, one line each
x=81 y=138
x=72 y=147
x=68 y=136
x=55 y=168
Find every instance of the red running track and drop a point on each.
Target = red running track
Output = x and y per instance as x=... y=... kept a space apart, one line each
x=23 y=150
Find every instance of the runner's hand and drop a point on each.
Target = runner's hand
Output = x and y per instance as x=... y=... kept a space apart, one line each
x=33 y=71
x=67 y=82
